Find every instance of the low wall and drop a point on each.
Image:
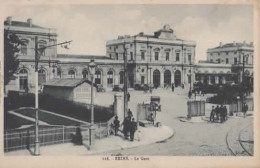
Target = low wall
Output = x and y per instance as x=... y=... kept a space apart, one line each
x=196 y=108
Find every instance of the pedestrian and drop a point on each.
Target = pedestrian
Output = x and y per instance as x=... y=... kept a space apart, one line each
x=172 y=87
x=244 y=109
x=116 y=125
x=128 y=96
x=133 y=128
x=126 y=124
x=151 y=118
x=221 y=113
x=225 y=113
x=217 y=113
x=189 y=94
x=212 y=114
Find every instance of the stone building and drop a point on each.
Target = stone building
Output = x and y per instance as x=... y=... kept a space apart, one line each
x=227 y=63
x=159 y=59
x=27 y=31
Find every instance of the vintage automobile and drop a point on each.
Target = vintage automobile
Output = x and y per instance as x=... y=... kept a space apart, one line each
x=116 y=88
x=155 y=103
x=100 y=88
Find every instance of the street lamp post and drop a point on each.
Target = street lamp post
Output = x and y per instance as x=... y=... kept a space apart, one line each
x=237 y=102
x=92 y=67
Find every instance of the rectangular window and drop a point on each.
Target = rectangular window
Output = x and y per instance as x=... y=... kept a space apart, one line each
x=177 y=56
x=218 y=53
x=42 y=50
x=142 y=55
x=24 y=49
x=116 y=56
x=189 y=58
x=211 y=60
x=167 y=56
x=156 y=56
x=23 y=82
x=235 y=52
x=218 y=60
x=227 y=61
x=210 y=54
x=235 y=60
x=110 y=56
x=226 y=53
x=246 y=60
x=142 y=79
x=131 y=56
x=110 y=79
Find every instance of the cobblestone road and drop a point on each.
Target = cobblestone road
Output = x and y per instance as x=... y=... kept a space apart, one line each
x=203 y=139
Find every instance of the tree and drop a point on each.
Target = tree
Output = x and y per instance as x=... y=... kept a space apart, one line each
x=11 y=63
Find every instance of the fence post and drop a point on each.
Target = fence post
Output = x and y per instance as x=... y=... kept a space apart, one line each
x=99 y=130
x=6 y=139
x=63 y=133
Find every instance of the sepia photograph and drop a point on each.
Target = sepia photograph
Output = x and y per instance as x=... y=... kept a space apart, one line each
x=128 y=81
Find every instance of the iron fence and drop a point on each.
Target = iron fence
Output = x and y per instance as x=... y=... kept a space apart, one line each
x=24 y=138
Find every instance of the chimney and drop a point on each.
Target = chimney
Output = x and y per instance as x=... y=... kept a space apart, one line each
x=244 y=42
x=29 y=21
x=220 y=44
x=9 y=20
x=251 y=44
x=234 y=43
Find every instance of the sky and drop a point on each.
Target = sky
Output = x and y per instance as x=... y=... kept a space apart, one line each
x=90 y=26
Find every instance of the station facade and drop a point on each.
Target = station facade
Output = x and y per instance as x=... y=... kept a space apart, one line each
x=159 y=60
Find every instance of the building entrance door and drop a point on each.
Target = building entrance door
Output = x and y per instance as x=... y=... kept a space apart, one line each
x=177 y=78
x=167 y=78
x=156 y=78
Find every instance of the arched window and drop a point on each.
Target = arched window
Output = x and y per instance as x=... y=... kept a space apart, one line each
x=24 y=47
x=41 y=46
x=41 y=76
x=121 y=77
x=98 y=77
x=72 y=73
x=85 y=73
x=110 y=78
x=23 y=79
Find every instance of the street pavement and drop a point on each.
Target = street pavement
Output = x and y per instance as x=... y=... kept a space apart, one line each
x=201 y=139
x=233 y=137
x=144 y=136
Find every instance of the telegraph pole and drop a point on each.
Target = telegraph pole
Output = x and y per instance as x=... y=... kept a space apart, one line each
x=37 y=144
x=37 y=58
x=125 y=83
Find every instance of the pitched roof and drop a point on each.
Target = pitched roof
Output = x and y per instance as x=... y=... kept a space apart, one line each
x=58 y=82
x=82 y=56
x=22 y=24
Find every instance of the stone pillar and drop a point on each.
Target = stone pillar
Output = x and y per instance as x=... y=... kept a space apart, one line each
x=202 y=79
x=116 y=79
x=162 y=79
x=224 y=80
x=104 y=79
x=216 y=80
x=119 y=106
x=173 y=81
x=209 y=82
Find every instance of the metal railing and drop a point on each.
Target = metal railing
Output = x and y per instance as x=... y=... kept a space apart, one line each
x=24 y=138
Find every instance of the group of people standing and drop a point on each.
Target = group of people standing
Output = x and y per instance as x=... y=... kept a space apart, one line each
x=129 y=126
x=218 y=114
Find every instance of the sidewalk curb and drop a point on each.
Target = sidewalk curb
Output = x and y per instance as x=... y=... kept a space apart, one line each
x=173 y=132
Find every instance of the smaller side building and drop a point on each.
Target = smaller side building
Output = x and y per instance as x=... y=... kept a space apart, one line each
x=78 y=90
